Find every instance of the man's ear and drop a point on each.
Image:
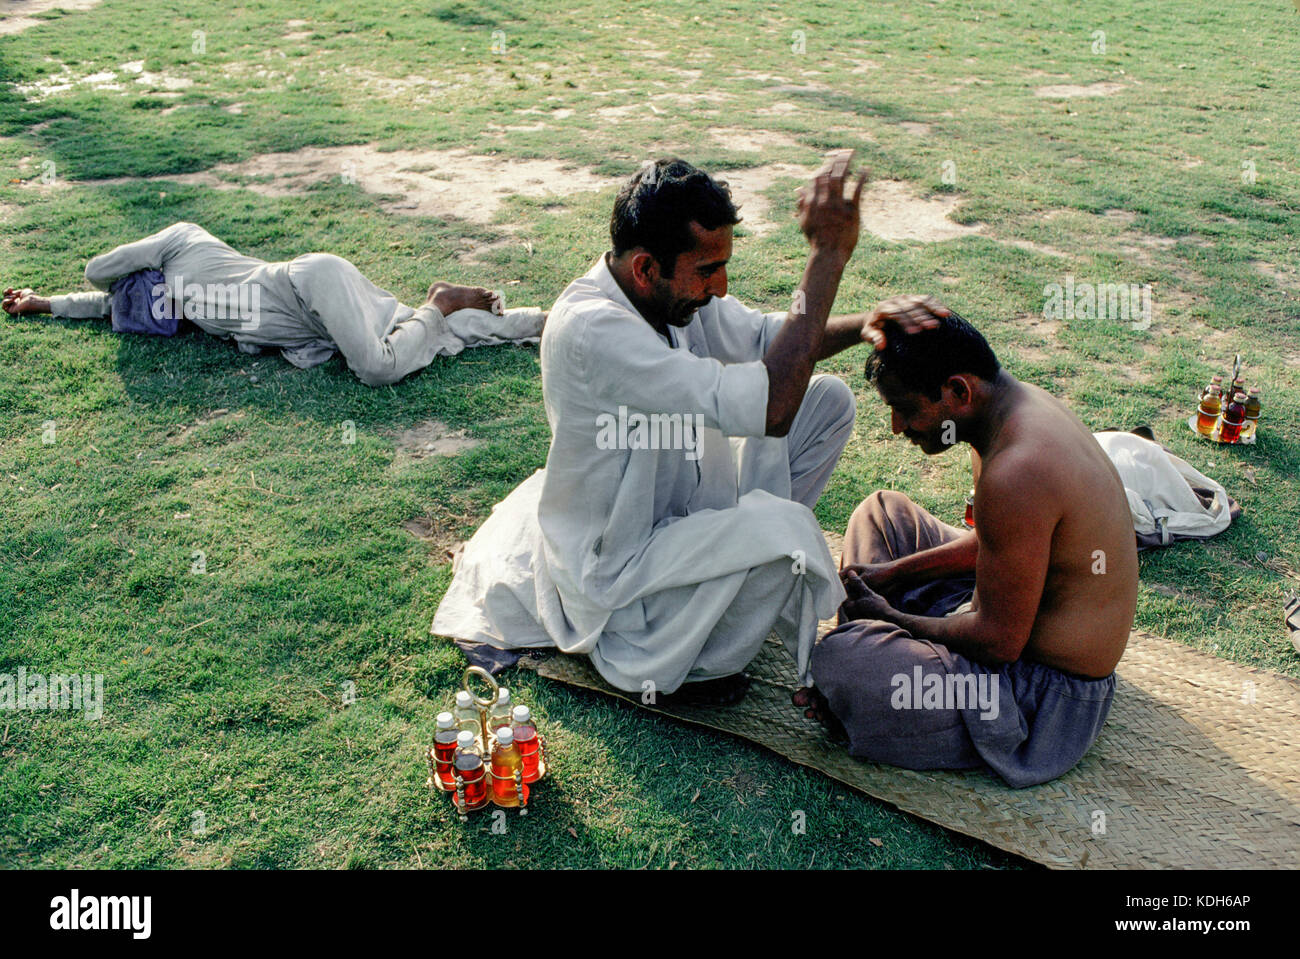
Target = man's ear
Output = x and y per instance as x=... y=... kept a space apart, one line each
x=963 y=391
x=645 y=271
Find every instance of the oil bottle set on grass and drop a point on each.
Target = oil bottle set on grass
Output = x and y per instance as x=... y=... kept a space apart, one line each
x=487 y=750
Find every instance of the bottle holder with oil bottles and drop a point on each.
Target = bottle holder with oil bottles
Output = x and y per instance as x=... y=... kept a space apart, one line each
x=498 y=790
x=1228 y=420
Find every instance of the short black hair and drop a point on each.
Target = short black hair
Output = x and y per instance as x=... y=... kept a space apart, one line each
x=656 y=206
x=924 y=360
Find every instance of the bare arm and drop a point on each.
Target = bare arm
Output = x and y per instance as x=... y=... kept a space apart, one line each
x=830 y=221
x=1015 y=537
x=911 y=313
x=955 y=558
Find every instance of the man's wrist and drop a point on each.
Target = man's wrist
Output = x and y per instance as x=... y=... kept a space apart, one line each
x=829 y=256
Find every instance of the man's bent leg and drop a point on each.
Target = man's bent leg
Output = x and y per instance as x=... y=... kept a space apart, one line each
x=888 y=526
x=818 y=435
x=797 y=466
x=863 y=669
x=381 y=339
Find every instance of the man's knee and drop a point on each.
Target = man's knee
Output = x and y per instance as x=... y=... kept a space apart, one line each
x=876 y=510
x=836 y=397
x=371 y=377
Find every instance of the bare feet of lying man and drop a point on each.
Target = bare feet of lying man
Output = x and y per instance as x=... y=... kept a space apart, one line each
x=816 y=707
x=24 y=303
x=448 y=298
x=710 y=692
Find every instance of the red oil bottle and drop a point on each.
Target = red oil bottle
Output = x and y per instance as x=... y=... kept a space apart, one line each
x=528 y=742
x=506 y=761
x=444 y=750
x=1233 y=418
x=469 y=765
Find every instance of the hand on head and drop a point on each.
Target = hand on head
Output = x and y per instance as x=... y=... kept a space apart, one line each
x=911 y=314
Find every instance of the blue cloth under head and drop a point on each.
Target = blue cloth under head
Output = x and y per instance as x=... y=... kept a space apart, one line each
x=141 y=304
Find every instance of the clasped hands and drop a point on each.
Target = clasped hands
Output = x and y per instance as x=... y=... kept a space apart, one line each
x=864 y=602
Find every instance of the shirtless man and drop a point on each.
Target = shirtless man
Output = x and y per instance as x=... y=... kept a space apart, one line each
x=1012 y=668
x=308 y=308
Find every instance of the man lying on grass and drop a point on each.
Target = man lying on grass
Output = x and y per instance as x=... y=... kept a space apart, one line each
x=672 y=528
x=989 y=648
x=308 y=307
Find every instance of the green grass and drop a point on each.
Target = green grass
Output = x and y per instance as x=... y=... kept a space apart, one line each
x=224 y=690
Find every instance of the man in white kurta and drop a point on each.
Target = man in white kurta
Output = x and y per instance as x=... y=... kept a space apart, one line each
x=663 y=565
x=660 y=566
x=308 y=308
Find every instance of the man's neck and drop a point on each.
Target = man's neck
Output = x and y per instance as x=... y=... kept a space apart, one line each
x=1003 y=395
x=659 y=325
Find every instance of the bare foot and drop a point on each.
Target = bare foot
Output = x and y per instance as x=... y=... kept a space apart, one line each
x=816 y=707
x=448 y=298
x=24 y=303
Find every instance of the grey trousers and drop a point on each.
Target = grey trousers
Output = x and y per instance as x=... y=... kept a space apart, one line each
x=910 y=702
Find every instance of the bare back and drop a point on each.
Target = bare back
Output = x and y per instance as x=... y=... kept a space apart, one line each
x=1046 y=462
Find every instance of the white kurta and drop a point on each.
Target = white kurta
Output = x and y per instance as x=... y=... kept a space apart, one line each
x=307 y=307
x=662 y=565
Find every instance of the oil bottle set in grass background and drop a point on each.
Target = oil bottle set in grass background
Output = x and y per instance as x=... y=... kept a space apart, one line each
x=487 y=750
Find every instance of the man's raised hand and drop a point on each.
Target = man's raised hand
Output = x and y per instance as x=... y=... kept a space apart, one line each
x=828 y=218
x=910 y=313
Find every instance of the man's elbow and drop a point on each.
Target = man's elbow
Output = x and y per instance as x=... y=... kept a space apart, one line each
x=1003 y=648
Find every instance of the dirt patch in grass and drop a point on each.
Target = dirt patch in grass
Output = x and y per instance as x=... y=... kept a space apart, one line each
x=117 y=80
x=748 y=186
x=777 y=110
x=436 y=528
x=1035 y=248
x=436 y=183
x=752 y=141
x=1285 y=277
x=1069 y=91
x=18 y=15
x=916 y=129
x=892 y=211
x=475 y=251
x=431 y=438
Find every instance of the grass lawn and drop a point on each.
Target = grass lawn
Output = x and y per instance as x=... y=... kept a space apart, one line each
x=225 y=740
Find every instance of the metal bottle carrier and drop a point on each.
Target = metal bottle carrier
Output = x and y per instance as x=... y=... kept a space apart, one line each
x=485 y=743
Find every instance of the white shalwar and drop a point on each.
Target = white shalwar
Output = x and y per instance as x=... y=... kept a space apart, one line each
x=307 y=307
x=663 y=565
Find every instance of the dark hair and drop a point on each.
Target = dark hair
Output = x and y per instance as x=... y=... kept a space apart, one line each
x=656 y=206
x=924 y=360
